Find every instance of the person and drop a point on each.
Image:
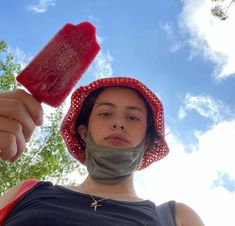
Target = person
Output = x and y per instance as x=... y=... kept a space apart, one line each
x=114 y=126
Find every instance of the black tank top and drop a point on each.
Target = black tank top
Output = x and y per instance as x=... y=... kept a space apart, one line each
x=48 y=205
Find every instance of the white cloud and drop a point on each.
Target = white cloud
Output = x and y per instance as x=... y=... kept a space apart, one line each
x=20 y=57
x=168 y=27
x=218 y=145
x=210 y=37
x=100 y=39
x=189 y=177
x=206 y=106
x=175 y=47
x=41 y=6
x=102 y=67
x=182 y=113
x=93 y=19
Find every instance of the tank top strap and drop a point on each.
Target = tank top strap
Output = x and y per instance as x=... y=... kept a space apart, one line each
x=166 y=213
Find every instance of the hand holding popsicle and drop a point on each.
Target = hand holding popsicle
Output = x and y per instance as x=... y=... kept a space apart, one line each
x=19 y=114
x=53 y=73
x=49 y=77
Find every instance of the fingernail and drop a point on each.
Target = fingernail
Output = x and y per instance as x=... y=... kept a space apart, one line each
x=39 y=121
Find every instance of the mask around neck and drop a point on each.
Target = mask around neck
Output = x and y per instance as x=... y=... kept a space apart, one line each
x=108 y=165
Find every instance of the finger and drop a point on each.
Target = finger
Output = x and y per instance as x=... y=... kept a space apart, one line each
x=9 y=147
x=12 y=128
x=15 y=110
x=32 y=105
x=20 y=139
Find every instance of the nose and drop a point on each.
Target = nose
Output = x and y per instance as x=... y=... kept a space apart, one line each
x=118 y=126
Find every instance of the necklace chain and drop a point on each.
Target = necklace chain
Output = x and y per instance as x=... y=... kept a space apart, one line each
x=96 y=203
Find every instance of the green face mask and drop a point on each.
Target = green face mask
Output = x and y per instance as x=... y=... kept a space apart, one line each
x=111 y=165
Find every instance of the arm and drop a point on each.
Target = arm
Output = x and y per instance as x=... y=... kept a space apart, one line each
x=186 y=216
x=19 y=114
x=9 y=199
x=9 y=195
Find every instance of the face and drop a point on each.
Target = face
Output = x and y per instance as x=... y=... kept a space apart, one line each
x=118 y=118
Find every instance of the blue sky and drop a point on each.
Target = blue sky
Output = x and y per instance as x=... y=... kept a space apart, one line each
x=184 y=55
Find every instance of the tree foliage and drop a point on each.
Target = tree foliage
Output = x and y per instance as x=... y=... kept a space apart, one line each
x=45 y=156
x=8 y=69
x=219 y=11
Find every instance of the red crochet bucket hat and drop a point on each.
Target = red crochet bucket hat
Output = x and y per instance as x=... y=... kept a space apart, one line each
x=156 y=151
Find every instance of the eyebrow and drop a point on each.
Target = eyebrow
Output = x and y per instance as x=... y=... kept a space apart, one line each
x=129 y=107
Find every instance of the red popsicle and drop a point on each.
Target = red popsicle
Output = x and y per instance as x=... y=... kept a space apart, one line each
x=53 y=73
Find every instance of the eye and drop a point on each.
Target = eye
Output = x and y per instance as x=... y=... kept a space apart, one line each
x=133 y=118
x=104 y=114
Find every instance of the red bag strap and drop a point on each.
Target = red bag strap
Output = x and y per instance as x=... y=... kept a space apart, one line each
x=27 y=185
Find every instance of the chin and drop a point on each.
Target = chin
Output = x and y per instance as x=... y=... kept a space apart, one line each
x=118 y=146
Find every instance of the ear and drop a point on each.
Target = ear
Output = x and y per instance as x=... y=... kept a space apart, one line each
x=82 y=130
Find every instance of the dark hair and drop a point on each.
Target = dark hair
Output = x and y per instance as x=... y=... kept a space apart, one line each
x=87 y=107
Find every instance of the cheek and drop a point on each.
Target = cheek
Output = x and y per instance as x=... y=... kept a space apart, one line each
x=95 y=128
x=139 y=133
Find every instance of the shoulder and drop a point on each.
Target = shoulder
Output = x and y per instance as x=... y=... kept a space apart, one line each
x=185 y=216
x=6 y=197
x=9 y=195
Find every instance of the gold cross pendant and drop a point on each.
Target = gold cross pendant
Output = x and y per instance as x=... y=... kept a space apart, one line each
x=95 y=205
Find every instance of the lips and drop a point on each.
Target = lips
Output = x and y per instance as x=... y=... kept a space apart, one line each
x=117 y=137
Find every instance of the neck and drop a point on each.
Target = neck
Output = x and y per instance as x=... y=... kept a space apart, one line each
x=123 y=188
